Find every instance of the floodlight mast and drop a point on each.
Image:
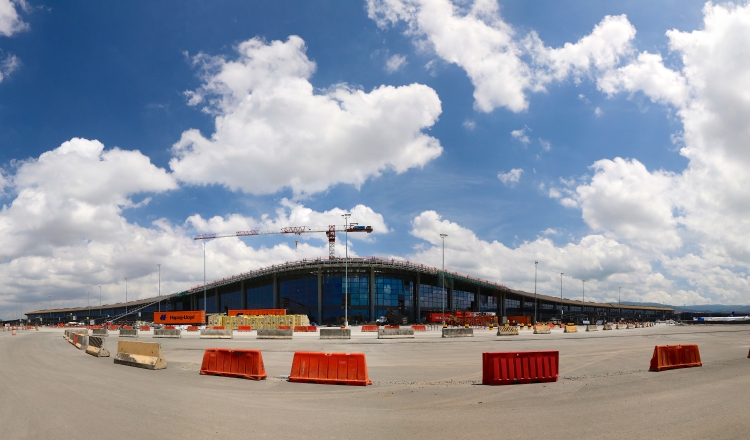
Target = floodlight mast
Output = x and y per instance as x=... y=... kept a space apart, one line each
x=330 y=231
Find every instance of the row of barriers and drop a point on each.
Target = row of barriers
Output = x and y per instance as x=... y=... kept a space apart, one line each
x=498 y=368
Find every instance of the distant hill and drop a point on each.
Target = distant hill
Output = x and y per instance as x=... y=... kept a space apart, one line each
x=710 y=308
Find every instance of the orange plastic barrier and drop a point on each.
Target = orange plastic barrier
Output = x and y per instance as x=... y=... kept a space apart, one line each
x=145 y=328
x=169 y=327
x=369 y=328
x=667 y=357
x=233 y=363
x=305 y=328
x=128 y=327
x=192 y=328
x=419 y=328
x=393 y=327
x=218 y=327
x=285 y=327
x=244 y=328
x=330 y=368
x=505 y=368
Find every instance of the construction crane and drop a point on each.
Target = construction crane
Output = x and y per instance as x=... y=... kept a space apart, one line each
x=330 y=231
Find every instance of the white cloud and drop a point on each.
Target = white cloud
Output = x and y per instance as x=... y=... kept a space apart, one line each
x=551 y=231
x=598 y=112
x=602 y=261
x=546 y=145
x=65 y=231
x=521 y=136
x=475 y=37
x=511 y=177
x=274 y=132
x=10 y=22
x=395 y=63
x=469 y=124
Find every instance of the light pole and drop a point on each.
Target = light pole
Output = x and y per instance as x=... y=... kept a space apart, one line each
x=583 y=308
x=561 y=306
x=346 y=270
x=205 y=304
x=442 y=236
x=126 y=297
x=159 y=265
x=100 y=300
x=536 y=263
x=619 y=305
x=88 y=302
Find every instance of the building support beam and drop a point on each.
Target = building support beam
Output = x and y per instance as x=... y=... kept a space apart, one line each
x=275 y=291
x=417 y=305
x=320 y=296
x=372 y=294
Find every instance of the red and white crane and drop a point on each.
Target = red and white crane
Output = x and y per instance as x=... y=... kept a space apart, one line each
x=330 y=231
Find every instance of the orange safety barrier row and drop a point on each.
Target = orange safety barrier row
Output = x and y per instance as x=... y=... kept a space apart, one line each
x=667 y=357
x=191 y=328
x=285 y=327
x=169 y=327
x=128 y=327
x=505 y=368
x=419 y=328
x=393 y=327
x=145 y=328
x=369 y=328
x=226 y=362
x=330 y=368
x=218 y=327
x=305 y=328
x=244 y=328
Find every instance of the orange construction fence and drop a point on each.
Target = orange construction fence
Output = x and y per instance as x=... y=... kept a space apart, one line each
x=505 y=368
x=192 y=328
x=369 y=328
x=330 y=368
x=226 y=362
x=667 y=357
x=244 y=328
x=419 y=328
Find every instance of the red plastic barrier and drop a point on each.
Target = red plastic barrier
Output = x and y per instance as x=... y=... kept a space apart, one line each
x=226 y=362
x=505 y=368
x=285 y=327
x=419 y=328
x=218 y=327
x=128 y=327
x=244 y=328
x=170 y=327
x=145 y=328
x=392 y=326
x=300 y=328
x=330 y=368
x=369 y=328
x=552 y=325
x=667 y=357
x=192 y=328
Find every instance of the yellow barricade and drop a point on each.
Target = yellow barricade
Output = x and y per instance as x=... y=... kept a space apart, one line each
x=571 y=329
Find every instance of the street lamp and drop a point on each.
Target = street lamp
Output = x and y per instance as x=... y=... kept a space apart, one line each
x=442 y=236
x=126 y=297
x=346 y=270
x=100 y=300
x=561 y=306
x=619 y=305
x=159 y=265
x=88 y=303
x=583 y=308
x=205 y=303
x=536 y=263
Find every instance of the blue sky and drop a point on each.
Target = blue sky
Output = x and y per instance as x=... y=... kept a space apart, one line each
x=605 y=140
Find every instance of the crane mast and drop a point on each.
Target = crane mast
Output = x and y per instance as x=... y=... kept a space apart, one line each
x=330 y=232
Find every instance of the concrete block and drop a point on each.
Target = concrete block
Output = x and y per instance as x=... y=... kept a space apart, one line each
x=395 y=333
x=100 y=332
x=592 y=328
x=511 y=330
x=124 y=333
x=458 y=332
x=274 y=333
x=97 y=347
x=162 y=333
x=335 y=333
x=216 y=334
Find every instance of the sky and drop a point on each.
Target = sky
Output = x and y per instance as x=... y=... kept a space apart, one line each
x=607 y=141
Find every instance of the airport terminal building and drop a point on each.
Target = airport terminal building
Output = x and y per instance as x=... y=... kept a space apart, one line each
x=316 y=288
